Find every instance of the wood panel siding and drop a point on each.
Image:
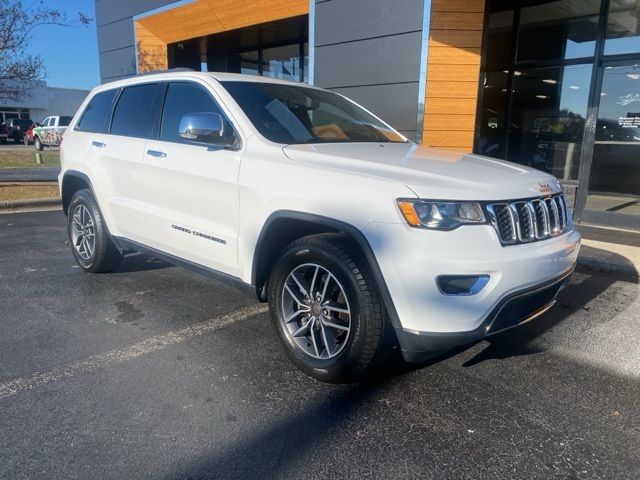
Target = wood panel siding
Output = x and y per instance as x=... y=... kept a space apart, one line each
x=151 y=52
x=204 y=17
x=453 y=70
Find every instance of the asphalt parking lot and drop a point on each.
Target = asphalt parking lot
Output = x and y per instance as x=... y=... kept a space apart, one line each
x=156 y=372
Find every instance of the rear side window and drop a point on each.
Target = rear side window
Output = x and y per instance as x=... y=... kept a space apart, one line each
x=134 y=113
x=95 y=117
x=64 y=121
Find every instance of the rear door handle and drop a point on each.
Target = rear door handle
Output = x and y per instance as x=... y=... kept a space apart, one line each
x=156 y=153
x=97 y=144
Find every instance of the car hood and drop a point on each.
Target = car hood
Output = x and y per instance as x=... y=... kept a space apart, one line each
x=429 y=172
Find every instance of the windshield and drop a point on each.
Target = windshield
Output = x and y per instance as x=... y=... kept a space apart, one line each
x=291 y=114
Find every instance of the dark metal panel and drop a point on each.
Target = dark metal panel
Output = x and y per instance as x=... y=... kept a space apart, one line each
x=380 y=60
x=118 y=62
x=346 y=20
x=394 y=103
x=116 y=35
x=108 y=11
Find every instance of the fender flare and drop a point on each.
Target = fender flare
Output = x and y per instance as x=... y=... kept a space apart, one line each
x=82 y=176
x=335 y=225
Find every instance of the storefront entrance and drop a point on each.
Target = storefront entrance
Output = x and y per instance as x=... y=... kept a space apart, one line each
x=613 y=194
x=560 y=92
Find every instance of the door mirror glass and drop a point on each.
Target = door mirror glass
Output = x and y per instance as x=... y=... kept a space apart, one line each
x=202 y=127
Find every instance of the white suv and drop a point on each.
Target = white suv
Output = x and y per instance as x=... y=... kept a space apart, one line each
x=359 y=239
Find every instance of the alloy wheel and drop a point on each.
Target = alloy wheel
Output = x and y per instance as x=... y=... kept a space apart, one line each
x=315 y=311
x=82 y=232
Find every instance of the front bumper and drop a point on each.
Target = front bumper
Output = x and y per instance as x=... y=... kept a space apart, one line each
x=514 y=310
x=428 y=322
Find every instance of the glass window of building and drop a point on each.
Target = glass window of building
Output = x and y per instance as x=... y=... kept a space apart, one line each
x=562 y=29
x=548 y=113
x=282 y=62
x=614 y=184
x=249 y=63
x=493 y=115
x=623 y=27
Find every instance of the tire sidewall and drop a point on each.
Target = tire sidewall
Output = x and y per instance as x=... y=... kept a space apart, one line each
x=37 y=143
x=340 y=367
x=84 y=197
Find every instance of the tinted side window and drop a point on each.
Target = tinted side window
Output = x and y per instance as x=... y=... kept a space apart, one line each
x=133 y=116
x=183 y=98
x=64 y=121
x=95 y=117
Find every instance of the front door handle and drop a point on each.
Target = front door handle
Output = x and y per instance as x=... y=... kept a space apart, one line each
x=97 y=144
x=156 y=153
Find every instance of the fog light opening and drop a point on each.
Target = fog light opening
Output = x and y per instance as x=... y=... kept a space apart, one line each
x=461 y=284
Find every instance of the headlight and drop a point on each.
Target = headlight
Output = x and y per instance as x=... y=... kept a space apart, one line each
x=440 y=215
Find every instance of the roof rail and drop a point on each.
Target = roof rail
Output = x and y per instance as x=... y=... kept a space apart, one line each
x=167 y=70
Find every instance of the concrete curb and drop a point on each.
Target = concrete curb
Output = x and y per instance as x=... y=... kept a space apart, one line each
x=600 y=265
x=37 y=202
x=614 y=258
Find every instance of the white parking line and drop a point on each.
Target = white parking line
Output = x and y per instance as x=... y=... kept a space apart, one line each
x=112 y=357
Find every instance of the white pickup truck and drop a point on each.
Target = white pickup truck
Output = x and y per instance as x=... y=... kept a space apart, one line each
x=49 y=132
x=359 y=239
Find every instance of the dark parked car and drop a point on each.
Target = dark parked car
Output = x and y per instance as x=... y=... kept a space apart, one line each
x=17 y=128
x=3 y=132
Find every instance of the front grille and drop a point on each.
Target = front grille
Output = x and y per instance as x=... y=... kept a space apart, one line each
x=520 y=309
x=524 y=221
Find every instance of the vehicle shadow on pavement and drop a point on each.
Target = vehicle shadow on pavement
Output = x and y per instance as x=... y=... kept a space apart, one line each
x=578 y=295
x=270 y=453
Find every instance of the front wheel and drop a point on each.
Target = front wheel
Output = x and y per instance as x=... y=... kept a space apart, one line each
x=38 y=144
x=25 y=140
x=326 y=308
x=91 y=244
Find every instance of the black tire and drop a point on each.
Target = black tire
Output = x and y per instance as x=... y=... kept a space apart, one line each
x=38 y=144
x=370 y=337
x=105 y=256
x=26 y=140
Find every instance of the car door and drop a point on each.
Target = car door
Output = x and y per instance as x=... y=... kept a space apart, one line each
x=191 y=189
x=118 y=159
x=44 y=130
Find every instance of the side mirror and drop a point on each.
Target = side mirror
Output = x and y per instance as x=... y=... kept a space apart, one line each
x=202 y=127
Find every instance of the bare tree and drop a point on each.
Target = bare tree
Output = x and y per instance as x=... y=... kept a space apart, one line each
x=17 y=21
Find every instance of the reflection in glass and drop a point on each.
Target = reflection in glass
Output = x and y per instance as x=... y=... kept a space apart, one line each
x=623 y=27
x=305 y=70
x=498 y=49
x=561 y=29
x=282 y=62
x=493 y=126
x=549 y=107
x=615 y=169
x=249 y=63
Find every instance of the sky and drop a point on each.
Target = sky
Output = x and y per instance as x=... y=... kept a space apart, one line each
x=70 y=54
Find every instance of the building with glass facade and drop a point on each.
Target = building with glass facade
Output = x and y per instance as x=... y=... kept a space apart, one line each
x=550 y=84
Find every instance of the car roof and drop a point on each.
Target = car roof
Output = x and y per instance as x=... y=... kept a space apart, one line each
x=181 y=74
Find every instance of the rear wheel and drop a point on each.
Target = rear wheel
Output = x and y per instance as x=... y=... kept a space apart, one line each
x=38 y=144
x=327 y=311
x=25 y=140
x=92 y=247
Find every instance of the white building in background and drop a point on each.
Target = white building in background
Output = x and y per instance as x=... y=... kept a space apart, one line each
x=43 y=101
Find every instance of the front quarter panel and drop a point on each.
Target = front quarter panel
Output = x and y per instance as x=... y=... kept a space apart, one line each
x=271 y=182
